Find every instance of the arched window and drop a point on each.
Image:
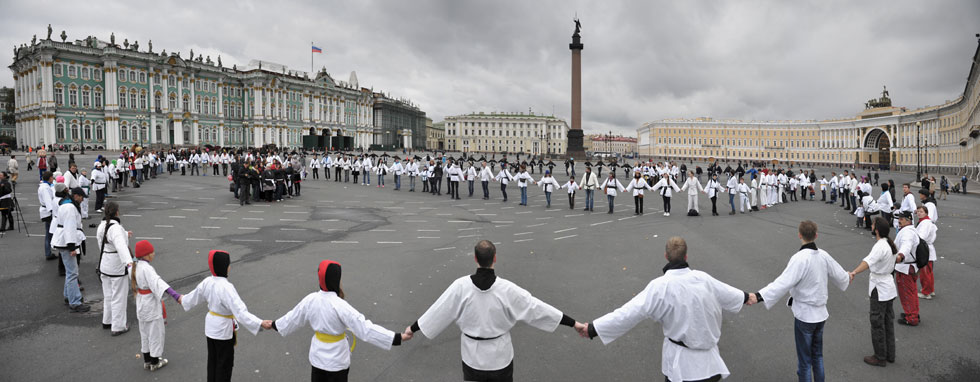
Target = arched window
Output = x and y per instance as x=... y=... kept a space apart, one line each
x=134 y=133
x=144 y=130
x=159 y=133
x=122 y=76
x=59 y=95
x=60 y=131
x=172 y=82
x=156 y=101
x=97 y=95
x=86 y=97
x=73 y=96
x=99 y=132
x=122 y=98
x=142 y=99
x=214 y=106
x=197 y=107
x=124 y=133
x=74 y=131
x=187 y=102
x=132 y=98
x=87 y=132
x=97 y=74
x=187 y=133
x=132 y=76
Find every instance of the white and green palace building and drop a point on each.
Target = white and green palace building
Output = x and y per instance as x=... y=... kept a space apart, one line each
x=101 y=94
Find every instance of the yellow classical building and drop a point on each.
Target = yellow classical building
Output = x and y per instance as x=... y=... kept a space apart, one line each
x=882 y=136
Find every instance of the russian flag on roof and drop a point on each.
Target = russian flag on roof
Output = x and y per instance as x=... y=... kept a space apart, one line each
x=317 y=50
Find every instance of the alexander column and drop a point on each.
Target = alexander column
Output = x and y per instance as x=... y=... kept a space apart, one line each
x=575 y=148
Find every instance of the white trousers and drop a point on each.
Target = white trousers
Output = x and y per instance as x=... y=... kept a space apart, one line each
x=752 y=193
x=84 y=206
x=692 y=203
x=114 y=298
x=779 y=197
x=151 y=337
x=744 y=203
x=772 y=196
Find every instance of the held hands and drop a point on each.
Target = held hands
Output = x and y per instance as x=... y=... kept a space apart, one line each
x=407 y=335
x=267 y=324
x=753 y=299
x=851 y=275
x=582 y=329
x=129 y=233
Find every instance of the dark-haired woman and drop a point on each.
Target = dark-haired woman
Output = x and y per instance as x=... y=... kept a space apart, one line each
x=330 y=316
x=226 y=311
x=114 y=258
x=882 y=289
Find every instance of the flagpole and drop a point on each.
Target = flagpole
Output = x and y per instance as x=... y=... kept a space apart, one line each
x=311 y=58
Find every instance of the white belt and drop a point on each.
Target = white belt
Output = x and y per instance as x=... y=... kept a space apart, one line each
x=7 y=196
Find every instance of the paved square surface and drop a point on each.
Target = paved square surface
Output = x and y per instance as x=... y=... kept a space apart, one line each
x=400 y=250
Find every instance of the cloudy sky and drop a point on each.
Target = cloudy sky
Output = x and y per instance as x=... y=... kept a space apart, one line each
x=643 y=60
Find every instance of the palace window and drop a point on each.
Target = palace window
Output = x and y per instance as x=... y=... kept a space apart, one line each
x=122 y=98
x=87 y=131
x=98 y=98
x=198 y=104
x=124 y=133
x=134 y=132
x=159 y=133
x=187 y=102
x=144 y=130
x=58 y=70
x=143 y=100
x=99 y=132
x=97 y=74
x=122 y=76
x=84 y=73
x=173 y=101
x=185 y=82
x=60 y=131
x=172 y=82
x=132 y=98
x=85 y=97
x=71 y=71
x=142 y=77
x=72 y=96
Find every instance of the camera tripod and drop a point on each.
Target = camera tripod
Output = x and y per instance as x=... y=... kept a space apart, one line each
x=19 y=215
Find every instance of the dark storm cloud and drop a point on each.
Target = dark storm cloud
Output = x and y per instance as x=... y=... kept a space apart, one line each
x=642 y=61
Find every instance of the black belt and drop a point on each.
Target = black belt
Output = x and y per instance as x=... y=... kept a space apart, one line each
x=481 y=338
x=680 y=343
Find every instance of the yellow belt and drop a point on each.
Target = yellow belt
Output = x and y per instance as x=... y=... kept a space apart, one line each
x=331 y=338
x=228 y=316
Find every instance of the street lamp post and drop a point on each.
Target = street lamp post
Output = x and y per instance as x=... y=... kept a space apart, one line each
x=81 y=121
x=926 y=146
x=139 y=132
x=918 y=152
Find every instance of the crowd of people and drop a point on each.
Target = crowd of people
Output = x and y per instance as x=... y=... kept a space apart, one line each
x=485 y=307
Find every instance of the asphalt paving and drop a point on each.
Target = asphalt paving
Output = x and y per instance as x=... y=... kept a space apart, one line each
x=400 y=250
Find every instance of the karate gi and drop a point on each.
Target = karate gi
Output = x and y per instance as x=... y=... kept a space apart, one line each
x=743 y=197
x=688 y=304
x=882 y=290
x=485 y=176
x=522 y=179
x=610 y=186
x=927 y=232
x=637 y=185
x=806 y=278
x=667 y=187
x=692 y=186
x=713 y=188
x=549 y=184
x=485 y=315
x=571 y=186
x=85 y=184
x=151 y=289
x=113 y=268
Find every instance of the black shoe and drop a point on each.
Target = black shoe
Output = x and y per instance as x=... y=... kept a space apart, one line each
x=119 y=333
x=80 y=308
x=903 y=321
x=106 y=326
x=49 y=258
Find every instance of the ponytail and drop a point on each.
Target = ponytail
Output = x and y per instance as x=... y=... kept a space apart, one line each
x=881 y=229
x=132 y=277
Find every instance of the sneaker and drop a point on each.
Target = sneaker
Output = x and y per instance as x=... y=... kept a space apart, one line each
x=161 y=363
x=80 y=308
x=906 y=322
x=119 y=333
x=925 y=296
x=146 y=366
x=667 y=214
x=874 y=361
x=106 y=326
x=933 y=294
x=99 y=210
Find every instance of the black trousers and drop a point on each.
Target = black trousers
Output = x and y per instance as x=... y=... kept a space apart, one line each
x=243 y=193
x=100 y=198
x=471 y=187
x=320 y=375
x=316 y=173
x=221 y=359
x=882 y=327
x=7 y=216
x=503 y=190
x=503 y=375
x=336 y=174
x=714 y=205
x=666 y=204
x=224 y=169
x=455 y=186
x=637 y=204
x=571 y=200
x=486 y=189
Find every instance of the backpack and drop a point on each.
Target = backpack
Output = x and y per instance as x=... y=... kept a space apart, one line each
x=921 y=254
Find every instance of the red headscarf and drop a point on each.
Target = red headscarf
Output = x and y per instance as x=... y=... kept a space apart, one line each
x=218 y=262
x=328 y=274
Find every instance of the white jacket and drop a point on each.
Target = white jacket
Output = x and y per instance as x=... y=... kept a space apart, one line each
x=692 y=186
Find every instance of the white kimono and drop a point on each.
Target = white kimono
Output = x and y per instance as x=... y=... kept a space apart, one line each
x=223 y=302
x=927 y=232
x=549 y=184
x=149 y=308
x=113 y=265
x=329 y=314
x=667 y=186
x=488 y=314
x=689 y=305
x=806 y=278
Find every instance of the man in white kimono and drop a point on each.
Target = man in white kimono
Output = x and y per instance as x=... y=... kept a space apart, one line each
x=806 y=278
x=486 y=307
x=689 y=305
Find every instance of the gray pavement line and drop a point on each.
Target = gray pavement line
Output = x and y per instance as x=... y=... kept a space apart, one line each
x=428 y=237
x=565 y=237
x=381 y=230
x=456 y=236
x=536 y=225
x=253 y=218
x=545 y=218
x=292 y=229
x=467 y=229
x=132 y=216
x=163 y=226
x=523 y=233
x=628 y=217
x=502 y=222
x=522 y=240
x=290 y=241
x=296 y=212
x=292 y=220
x=502 y=225
x=196 y=239
x=149 y=238
x=459 y=221
x=460 y=205
x=416 y=221
x=595 y=224
x=258 y=212
x=566 y=230
x=486 y=214
x=330 y=220
x=343 y=242
x=490 y=203
x=248 y=228
x=443 y=249
x=428 y=230
x=291 y=206
x=177 y=217
x=246 y=240
x=230 y=204
x=389 y=242
x=523 y=212
x=476 y=209
x=217 y=218
x=189 y=209
x=506 y=208
x=160 y=202
x=206 y=198
x=443 y=214
x=209 y=227
x=144 y=208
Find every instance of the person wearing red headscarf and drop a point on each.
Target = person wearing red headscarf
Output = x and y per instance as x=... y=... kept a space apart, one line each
x=330 y=316
x=149 y=290
x=226 y=311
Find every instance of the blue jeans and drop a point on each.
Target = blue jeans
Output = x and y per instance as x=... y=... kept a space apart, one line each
x=398 y=182
x=731 y=201
x=589 y=199
x=486 y=189
x=411 y=183
x=72 y=293
x=809 y=350
x=524 y=195
x=471 y=187
x=381 y=180
x=367 y=178
x=503 y=190
x=47 y=238
x=610 y=199
x=547 y=196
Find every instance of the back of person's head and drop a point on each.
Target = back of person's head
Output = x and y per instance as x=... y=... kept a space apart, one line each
x=485 y=253
x=808 y=231
x=676 y=249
